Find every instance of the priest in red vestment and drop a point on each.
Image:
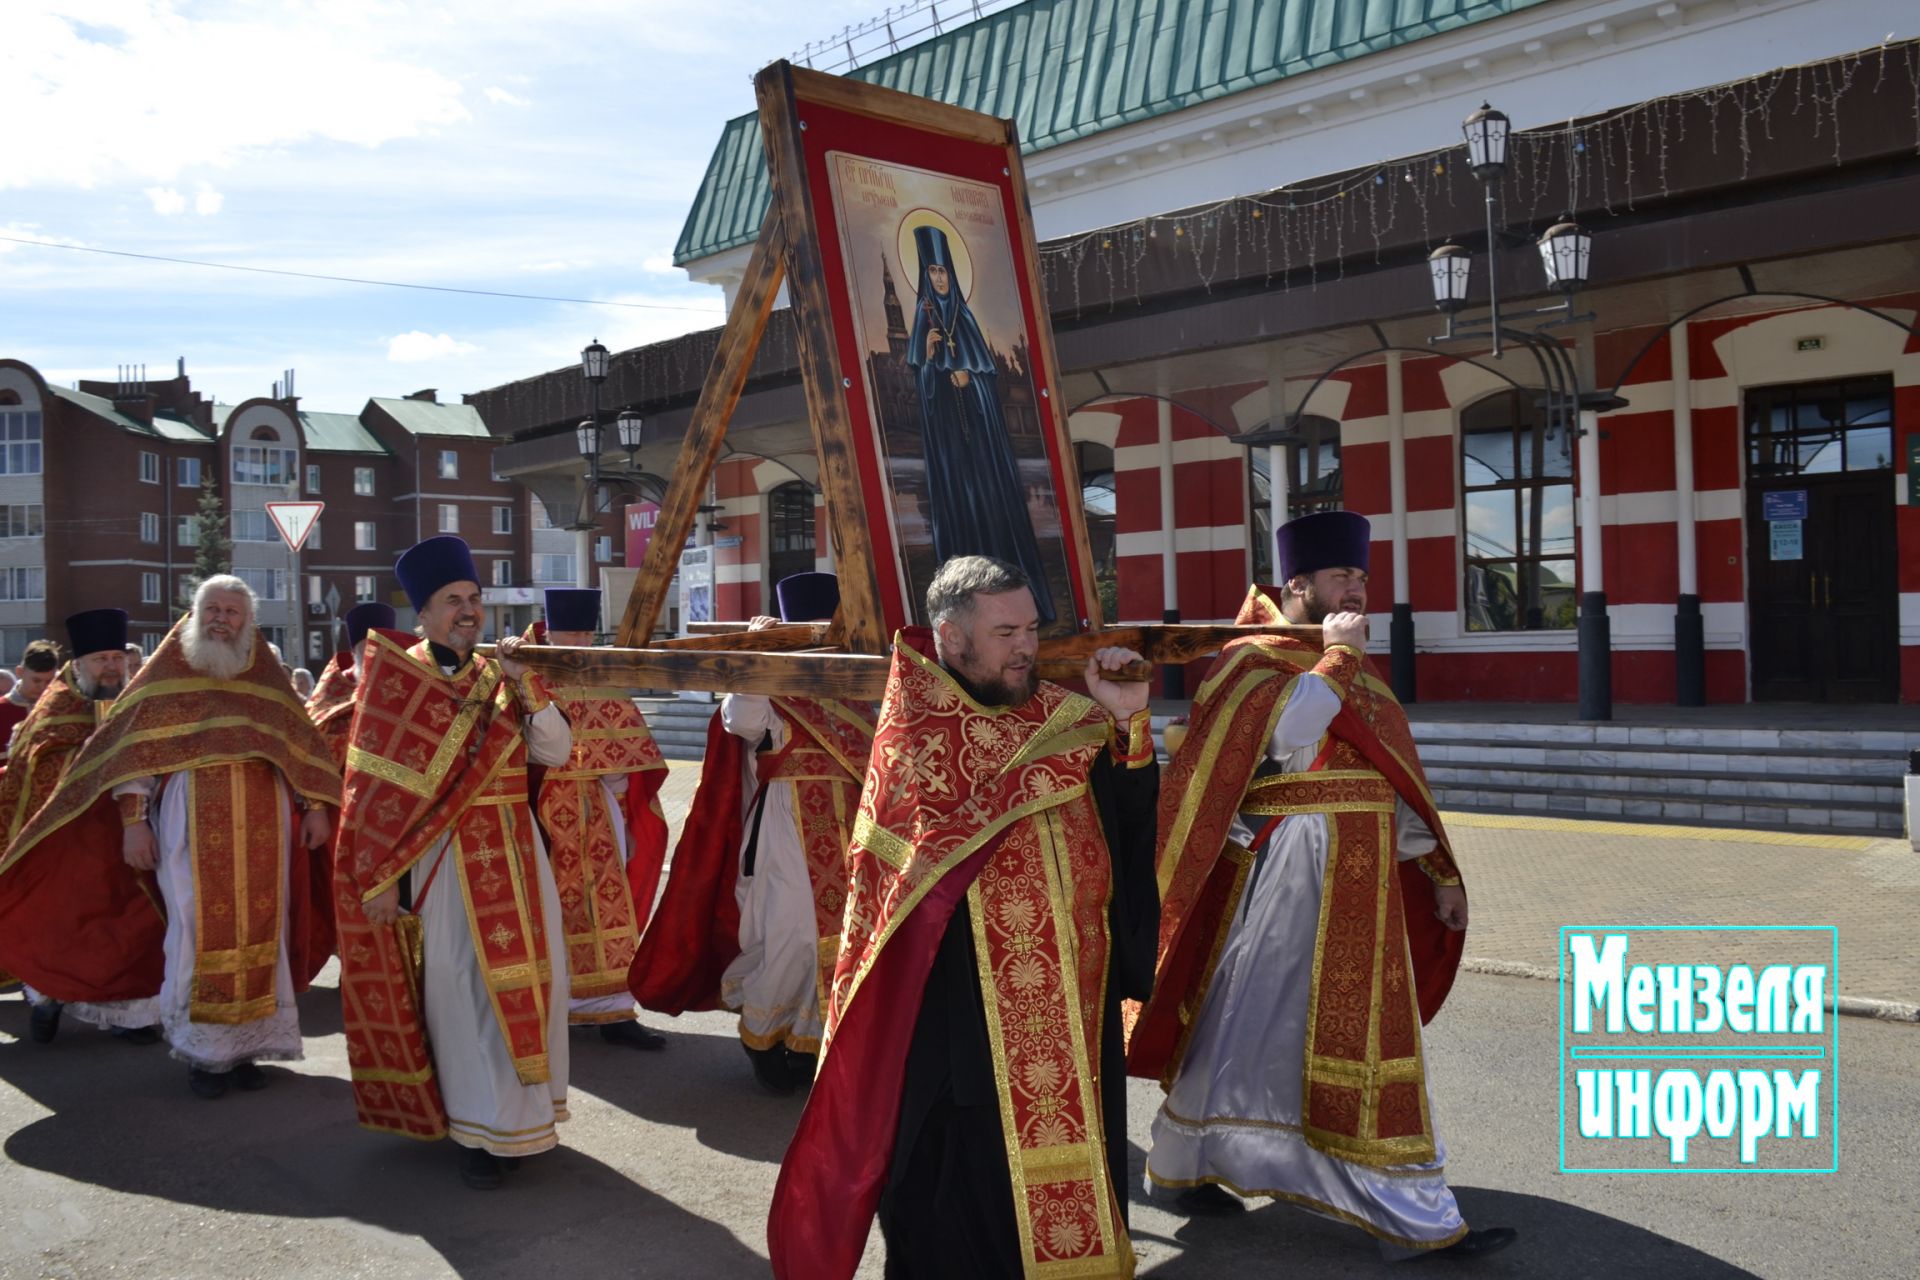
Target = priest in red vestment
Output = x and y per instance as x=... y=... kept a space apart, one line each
x=223 y=788
x=66 y=713
x=453 y=963
x=1313 y=918
x=751 y=917
x=30 y=679
x=1000 y=905
x=606 y=835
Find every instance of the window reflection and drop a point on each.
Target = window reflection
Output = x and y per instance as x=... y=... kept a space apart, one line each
x=1516 y=473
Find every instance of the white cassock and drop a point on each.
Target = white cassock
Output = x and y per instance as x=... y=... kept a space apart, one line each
x=773 y=983
x=594 y=1009
x=487 y=1106
x=207 y=1045
x=1233 y=1114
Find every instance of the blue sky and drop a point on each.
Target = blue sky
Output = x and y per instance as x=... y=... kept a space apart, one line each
x=547 y=148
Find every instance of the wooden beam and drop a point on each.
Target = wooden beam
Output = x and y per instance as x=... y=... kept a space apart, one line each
x=860 y=676
x=859 y=618
x=883 y=103
x=1168 y=644
x=726 y=377
x=781 y=639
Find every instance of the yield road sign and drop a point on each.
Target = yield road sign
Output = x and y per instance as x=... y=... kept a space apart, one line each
x=295 y=520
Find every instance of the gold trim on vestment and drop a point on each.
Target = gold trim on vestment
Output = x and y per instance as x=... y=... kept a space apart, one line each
x=933 y=875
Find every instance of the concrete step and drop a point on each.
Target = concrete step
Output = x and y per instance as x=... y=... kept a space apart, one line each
x=1782 y=761
x=1635 y=805
x=1845 y=791
x=1691 y=737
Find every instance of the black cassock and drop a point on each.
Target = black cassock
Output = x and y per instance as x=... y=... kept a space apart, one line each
x=947 y=1211
x=976 y=502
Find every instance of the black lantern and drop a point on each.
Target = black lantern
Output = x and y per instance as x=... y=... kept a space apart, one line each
x=1486 y=131
x=1451 y=266
x=631 y=427
x=1566 y=251
x=593 y=362
x=588 y=435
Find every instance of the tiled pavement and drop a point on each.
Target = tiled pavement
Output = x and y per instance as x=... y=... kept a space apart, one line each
x=1529 y=876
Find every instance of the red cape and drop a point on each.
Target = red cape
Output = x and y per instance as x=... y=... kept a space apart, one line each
x=695 y=934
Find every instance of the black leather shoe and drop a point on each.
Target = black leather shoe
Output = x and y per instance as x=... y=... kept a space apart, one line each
x=137 y=1035
x=510 y=1163
x=208 y=1084
x=480 y=1169
x=632 y=1035
x=43 y=1021
x=1211 y=1200
x=800 y=1066
x=1478 y=1244
x=771 y=1070
x=248 y=1077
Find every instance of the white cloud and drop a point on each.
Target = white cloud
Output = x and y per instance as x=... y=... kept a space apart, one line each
x=417 y=346
x=500 y=97
x=153 y=93
x=659 y=264
x=207 y=201
x=166 y=201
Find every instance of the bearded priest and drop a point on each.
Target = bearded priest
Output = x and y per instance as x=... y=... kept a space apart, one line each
x=1000 y=905
x=63 y=718
x=223 y=787
x=453 y=959
x=1314 y=918
x=331 y=703
x=606 y=834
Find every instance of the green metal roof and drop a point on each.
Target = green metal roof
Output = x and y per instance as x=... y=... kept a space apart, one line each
x=100 y=407
x=338 y=433
x=1069 y=69
x=425 y=418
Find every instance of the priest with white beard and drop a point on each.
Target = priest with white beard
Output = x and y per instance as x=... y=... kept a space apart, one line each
x=223 y=787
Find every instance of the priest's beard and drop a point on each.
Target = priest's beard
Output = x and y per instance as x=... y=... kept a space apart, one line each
x=1006 y=687
x=211 y=656
x=1315 y=607
x=92 y=689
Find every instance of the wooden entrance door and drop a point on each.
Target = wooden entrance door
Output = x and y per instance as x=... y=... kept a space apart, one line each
x=1824 y=610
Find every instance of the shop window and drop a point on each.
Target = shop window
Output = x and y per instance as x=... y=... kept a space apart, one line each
x=790 y=546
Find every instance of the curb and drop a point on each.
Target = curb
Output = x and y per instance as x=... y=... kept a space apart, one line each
x=1850 y=1006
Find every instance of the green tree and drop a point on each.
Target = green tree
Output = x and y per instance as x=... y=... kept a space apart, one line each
x=212 y=549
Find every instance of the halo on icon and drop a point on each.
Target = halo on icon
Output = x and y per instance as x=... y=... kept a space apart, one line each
x=956 y=245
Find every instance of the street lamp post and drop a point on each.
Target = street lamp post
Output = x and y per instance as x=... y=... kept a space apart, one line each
x=593 y=365
x=1566 y=253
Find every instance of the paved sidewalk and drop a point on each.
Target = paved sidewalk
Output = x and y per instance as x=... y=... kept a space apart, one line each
x=1529 y=876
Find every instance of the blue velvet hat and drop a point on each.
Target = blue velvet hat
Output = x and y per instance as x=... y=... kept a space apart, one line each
x=809 y=597
x=1324 y=540
x=931 y=242
x=425 y=567
x=364 y=617
x=573 y=609
x=97 y=629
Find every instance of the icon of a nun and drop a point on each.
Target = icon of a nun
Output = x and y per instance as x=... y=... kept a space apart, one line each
x=976 y=503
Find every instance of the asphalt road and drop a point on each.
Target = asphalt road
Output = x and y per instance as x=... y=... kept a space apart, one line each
x=113 y=1168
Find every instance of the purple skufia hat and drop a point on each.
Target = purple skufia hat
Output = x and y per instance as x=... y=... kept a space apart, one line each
x=807 y=597
x=1324 y=540
x=364 y=617
x=425 y=567
x=573 y=609
x=96 y=629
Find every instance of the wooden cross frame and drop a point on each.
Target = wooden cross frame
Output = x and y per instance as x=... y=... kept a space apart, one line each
x=848 y=657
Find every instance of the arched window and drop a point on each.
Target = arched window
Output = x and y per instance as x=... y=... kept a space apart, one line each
x=1516 y=488
x=790 y=537
x=1097 y=499
x=1313 y=484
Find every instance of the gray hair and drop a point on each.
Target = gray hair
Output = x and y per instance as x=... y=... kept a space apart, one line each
x=950 y=595
x=226 y=582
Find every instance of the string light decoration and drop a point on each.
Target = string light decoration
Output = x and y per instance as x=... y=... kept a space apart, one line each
x=1606 y=165
x=1299 y=235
